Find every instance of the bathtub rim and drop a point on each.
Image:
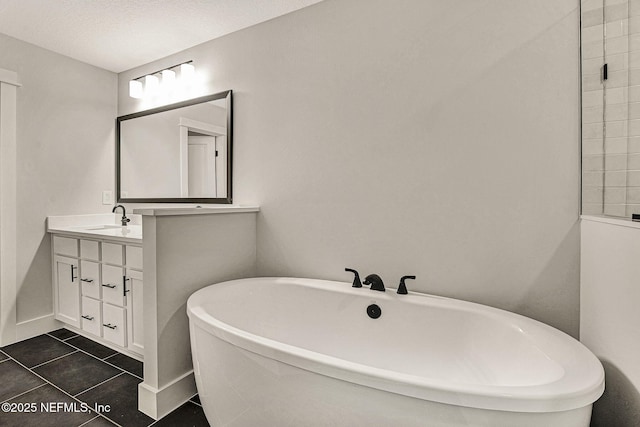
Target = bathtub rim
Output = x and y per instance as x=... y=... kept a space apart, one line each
x=570 y=391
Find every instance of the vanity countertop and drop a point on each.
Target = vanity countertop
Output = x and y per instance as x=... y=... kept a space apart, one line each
x=105 y=226
x=208 y=210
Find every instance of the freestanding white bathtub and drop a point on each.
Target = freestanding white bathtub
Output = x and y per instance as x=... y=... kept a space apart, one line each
x=303 y=352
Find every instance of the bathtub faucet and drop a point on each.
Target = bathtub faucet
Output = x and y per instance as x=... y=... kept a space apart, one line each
x=375 y=281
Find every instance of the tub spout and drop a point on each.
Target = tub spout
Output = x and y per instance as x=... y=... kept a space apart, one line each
x=375 y=281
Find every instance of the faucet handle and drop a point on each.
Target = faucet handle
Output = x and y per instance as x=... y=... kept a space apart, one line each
x=356 y=279
x=402 y=288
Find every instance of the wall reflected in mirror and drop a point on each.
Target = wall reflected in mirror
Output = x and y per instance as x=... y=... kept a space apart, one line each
x=178 y=153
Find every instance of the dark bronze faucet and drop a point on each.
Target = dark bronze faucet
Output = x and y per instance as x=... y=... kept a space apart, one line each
x=124 y=219
x=375 y=281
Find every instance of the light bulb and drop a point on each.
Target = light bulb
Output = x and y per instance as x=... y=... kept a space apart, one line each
x=187 y=71
x=168 y=78
x=135 y=89
x=151 y=85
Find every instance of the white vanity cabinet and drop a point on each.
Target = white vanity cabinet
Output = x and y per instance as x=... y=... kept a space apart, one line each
x=98 y=288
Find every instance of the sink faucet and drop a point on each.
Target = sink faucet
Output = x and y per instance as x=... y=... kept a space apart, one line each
x=124 y=219
x=375 y=281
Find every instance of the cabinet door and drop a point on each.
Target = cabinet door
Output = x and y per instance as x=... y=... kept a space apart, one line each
x=67 y=290
x=113 y=324
x=90 y=278
x=135 y=330
x=91 y=318
x=112 y=286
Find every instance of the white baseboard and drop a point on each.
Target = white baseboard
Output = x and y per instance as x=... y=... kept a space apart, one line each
x=157 y=403
x=38 y=326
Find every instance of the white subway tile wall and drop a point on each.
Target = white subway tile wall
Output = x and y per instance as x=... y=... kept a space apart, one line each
x=611 y=108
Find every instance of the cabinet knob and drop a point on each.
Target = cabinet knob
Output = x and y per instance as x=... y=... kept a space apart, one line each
x=87 y=317
x=110 y=286
x=109 y=325
x=87 y=280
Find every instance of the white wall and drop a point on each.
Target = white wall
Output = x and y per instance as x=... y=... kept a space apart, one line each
x=427 y=137
x=609 y=315
x=65 y=155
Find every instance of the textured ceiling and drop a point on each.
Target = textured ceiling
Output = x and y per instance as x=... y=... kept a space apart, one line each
x=121 y=34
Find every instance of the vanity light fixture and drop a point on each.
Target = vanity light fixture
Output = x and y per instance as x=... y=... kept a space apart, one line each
x=162 y=81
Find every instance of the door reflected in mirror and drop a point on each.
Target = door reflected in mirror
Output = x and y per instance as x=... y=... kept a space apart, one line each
x=178 y=153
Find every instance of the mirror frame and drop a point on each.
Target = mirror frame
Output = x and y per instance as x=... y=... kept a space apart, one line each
x=216 y=200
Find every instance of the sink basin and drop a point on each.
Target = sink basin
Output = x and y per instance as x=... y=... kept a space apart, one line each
x=101 y=227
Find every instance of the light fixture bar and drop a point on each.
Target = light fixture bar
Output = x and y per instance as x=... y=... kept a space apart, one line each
x=165 y=68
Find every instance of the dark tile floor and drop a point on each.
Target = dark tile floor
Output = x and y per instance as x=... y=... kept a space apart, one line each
x=62 y=379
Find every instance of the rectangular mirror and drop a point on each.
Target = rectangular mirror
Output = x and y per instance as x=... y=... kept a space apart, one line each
x=179 y=153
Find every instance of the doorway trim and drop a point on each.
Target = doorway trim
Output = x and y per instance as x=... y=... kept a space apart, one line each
x=8 y=244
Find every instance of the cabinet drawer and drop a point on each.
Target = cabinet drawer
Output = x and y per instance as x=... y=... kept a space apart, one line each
x=112 y=285
x=91 y=319
x=113 y=324
x=65 y=246
x=89 y=250
x=134 y=257
x=90 y=278
x=112 y=253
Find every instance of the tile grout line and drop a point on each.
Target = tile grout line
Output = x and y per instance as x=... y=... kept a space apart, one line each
x=94 y=386
x=127 y=371
x=59 y=389
x=61 y=339
x=24 y=392
x=55 y=358
x=102 y=360
x=87 y=422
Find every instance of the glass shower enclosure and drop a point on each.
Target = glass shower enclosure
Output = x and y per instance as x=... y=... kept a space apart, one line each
x=610 y=49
